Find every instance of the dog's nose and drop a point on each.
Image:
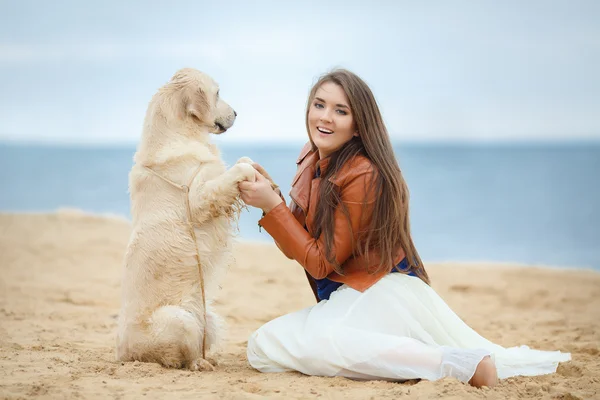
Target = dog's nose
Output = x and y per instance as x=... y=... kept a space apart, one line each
x=234 y=113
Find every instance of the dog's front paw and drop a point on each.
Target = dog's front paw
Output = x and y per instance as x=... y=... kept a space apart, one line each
x=212 y=361
x=201 y=365
x=245 y=160
x=246 y=172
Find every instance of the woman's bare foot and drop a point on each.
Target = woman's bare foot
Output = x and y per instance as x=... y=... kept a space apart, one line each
x=485 y=374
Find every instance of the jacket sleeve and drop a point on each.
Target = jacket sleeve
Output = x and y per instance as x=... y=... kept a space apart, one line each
x=296 y=242
x=282 y=250
x=276 y=242
x=303 y=153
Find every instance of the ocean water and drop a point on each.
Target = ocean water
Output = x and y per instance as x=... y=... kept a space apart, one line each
x=530 y=204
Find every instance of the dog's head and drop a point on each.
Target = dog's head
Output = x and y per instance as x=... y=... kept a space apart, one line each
x=196 y=97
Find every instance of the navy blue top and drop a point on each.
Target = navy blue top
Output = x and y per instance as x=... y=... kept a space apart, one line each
x=326 y=286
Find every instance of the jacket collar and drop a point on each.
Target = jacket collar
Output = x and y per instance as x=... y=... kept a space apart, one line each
x=309 y=159
x=322 y=164
x=315 y=165
x=313 y=159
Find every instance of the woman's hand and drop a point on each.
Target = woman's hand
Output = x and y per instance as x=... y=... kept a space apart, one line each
x=264 y=173
x=259 y=194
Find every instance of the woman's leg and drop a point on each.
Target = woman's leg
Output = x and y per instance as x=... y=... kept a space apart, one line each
x=329 y=339
x=398 y=329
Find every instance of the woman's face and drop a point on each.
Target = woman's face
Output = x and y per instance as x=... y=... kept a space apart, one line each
x=330 y=121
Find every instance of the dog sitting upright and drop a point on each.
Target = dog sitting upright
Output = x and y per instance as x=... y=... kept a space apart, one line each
x=183 y=201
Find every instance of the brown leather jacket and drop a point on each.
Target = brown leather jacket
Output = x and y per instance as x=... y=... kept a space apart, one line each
x=286 y=225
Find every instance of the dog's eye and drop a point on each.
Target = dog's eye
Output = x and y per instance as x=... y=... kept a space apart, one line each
x=218 y=93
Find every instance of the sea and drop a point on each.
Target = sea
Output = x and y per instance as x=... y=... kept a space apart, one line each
x=532 y=204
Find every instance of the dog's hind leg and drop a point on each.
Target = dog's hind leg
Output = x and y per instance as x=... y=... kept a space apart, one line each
x=214 y=327
x=176 y=336
x=214 y=330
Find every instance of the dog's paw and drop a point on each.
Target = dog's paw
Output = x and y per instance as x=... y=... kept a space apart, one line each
x=212 y=361
x=201 y=365
x=245 y=160
x=246 y=172
x=172 y=363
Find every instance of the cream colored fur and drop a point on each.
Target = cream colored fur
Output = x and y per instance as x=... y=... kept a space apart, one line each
x=162 y=315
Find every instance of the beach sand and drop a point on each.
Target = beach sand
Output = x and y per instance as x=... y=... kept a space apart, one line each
x=59 y=298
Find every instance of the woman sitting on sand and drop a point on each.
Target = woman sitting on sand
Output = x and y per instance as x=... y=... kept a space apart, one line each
x=347 y=225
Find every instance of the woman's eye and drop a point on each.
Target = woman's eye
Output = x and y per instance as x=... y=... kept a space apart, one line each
x=319 y=105
x=341 y=112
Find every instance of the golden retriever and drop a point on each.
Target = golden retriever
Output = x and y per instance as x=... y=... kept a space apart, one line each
x=183 y=201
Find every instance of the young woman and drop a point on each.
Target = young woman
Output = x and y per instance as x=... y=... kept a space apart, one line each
x=348 y=226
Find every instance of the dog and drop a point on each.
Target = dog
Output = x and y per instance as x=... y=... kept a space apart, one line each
x=183 y=203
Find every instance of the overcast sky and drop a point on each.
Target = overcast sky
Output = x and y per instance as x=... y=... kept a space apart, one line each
x=79 y=71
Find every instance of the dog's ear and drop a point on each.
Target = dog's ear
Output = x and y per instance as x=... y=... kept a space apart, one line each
x=196 y=105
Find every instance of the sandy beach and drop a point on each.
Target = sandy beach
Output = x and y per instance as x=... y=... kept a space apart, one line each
x=60 y=293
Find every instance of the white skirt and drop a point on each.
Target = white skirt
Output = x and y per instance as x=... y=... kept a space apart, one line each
x=396 y=330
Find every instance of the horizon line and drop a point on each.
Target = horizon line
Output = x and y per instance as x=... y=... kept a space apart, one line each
x=271 y=143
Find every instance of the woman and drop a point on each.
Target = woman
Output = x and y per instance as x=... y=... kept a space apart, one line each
x=348 y=226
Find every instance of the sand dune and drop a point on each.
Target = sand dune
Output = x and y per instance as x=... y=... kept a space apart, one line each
x=59 y=296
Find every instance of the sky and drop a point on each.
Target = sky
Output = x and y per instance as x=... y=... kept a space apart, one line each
x=84 y=72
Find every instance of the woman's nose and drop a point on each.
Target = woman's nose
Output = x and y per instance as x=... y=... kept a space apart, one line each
x=326 y=116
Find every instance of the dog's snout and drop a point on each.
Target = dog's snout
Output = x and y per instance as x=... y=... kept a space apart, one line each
x=234 y=113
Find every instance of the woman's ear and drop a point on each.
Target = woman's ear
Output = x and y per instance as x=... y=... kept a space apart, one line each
x=356 y=134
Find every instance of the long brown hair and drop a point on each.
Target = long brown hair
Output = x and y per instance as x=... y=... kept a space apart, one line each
x=389 y=228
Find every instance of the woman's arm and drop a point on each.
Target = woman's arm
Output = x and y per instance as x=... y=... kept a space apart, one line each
x=277 y=190
x=296 y=242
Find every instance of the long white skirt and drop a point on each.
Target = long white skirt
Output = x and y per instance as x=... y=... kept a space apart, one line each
x=398 y=329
